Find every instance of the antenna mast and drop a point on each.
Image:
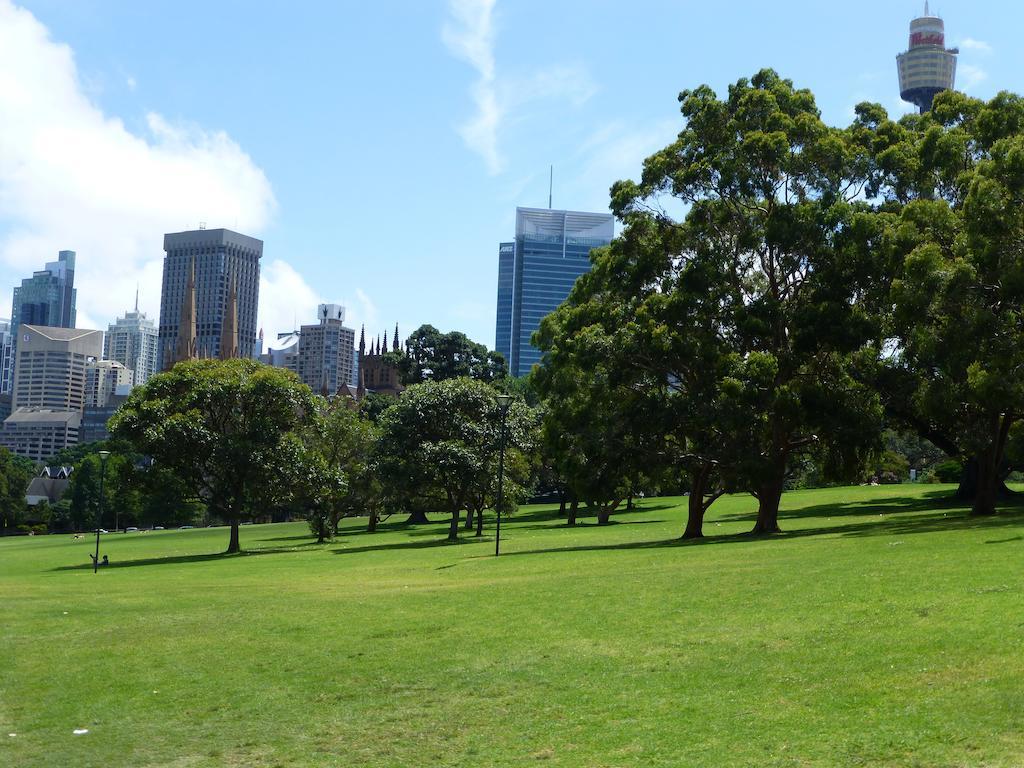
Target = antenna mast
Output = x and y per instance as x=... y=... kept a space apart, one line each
x=551 y=184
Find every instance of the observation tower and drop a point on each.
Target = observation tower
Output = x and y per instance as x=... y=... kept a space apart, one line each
x=927 y=67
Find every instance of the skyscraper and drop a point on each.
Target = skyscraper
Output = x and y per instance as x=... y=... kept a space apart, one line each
x=927 y=68
x=327 y=351
x=47 y=298
x=50 y=368
x=211 y=283
x=551 y=249
x=132 y=341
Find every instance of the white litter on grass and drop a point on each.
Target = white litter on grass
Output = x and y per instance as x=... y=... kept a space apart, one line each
x=12 y=735
x=80 y=731
x=65 y=613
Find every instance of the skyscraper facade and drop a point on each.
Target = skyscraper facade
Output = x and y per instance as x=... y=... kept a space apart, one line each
x=327 y=351
x=132 y=341
x=6 y=353
x=503 y=324
x=927 y=67
x=46 y=299
x=50 y=368
x=215 y=275
x=551 y=249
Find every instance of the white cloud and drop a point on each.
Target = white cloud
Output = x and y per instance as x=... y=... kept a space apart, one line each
x=970 y=44
x=469 y=33
x=73 y=177
x=969 y=76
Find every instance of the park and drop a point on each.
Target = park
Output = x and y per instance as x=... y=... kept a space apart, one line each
x=780 y=441
x=883 y=628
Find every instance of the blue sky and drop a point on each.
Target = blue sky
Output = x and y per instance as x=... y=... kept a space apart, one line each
x=380 y=149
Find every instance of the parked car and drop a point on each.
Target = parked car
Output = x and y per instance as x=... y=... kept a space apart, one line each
x=158 y=527
x=130 y=529
x=185 y=527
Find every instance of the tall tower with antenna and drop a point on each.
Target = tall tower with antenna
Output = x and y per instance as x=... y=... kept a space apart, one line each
x=927 y=67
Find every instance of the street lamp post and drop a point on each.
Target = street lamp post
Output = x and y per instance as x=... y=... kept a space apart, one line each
x=503 y=403
x=104 y=455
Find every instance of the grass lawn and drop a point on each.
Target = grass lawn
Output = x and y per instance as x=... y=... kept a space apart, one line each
x=885 y=628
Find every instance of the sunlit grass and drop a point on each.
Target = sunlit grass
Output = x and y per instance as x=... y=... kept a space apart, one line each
x=884 y=628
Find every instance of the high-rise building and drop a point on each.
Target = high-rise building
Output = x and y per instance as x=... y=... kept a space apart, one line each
x=927 y=67
x=6 y=354
x=284 y=353
x=210 y=294
x=102 y=380
x=49 y=389
x=47 y=299
x=551 y=249
x=326 y=351
x=132 y=341
x=50 y=368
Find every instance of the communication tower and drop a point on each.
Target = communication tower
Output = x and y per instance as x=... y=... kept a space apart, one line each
x=927 y=67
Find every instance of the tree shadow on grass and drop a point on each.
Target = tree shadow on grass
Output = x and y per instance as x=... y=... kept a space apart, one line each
x=179 y=559
x=890 y=505
x=400 y=545
x=888 y=527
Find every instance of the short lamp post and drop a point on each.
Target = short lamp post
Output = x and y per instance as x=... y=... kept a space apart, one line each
x=503 y=403
x=104 y=455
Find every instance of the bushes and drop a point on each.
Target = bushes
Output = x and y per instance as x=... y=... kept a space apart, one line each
x=948 y=471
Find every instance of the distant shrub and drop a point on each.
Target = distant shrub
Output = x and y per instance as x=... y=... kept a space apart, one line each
x=40 y=529
x=948 y=471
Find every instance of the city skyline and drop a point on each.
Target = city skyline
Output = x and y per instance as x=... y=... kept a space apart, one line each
x=152 y=142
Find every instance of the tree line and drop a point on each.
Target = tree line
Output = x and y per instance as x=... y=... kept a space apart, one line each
x=784 y=298
x=782 y=289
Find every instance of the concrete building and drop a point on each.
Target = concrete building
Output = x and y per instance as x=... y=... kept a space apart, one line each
x=927 y=67
x=39 y=433
x=551 y=249
x=209 y=297
x=284 y=353
x=102 y=379
x=326 y=351
x=132 y=341
x=95 y=418
x=50 y=368
x=47 y=298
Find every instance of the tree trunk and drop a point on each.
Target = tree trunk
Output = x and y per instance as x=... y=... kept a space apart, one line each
x=604 y=515
x=968 y=487
x=469 y=520
x=695 y=512
x=769 y=494
x=371 y=526
x=561 y=503
x=233 y=545
x=572 y=512
x=629 y=501
x=417 y=517
x=479 y=522
x=453 y=531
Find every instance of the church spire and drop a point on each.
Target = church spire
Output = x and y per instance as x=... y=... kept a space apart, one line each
x=229 y=326
x=394 y=347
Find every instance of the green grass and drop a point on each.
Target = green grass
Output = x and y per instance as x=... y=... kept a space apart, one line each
x=884 y=628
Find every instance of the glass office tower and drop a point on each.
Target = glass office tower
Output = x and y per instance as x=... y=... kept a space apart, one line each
x=45 y=299
x=551 y=249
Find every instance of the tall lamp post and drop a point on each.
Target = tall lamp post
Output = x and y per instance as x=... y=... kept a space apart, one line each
x=104 y=455
x=503 y=403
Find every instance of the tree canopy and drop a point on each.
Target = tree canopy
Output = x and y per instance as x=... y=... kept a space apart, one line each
x=227 y=429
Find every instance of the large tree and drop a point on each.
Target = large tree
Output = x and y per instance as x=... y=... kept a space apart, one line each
x=226 y=429
x=951 y=276
x=434 y=356
x=15 y=474
x=439 y=445
x=739 y=266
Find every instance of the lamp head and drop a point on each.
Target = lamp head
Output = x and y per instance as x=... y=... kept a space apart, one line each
x=504 y=401
x=104 y=455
